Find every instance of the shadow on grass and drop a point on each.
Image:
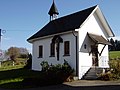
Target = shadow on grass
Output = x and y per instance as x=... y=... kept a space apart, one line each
x=44 y=81
x=30 y=78
x=32 y=83
x=16 y=73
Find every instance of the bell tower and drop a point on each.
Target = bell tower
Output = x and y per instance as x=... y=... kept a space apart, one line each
x=53 y=12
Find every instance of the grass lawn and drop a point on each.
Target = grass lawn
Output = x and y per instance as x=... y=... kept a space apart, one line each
x=5 y=68
x=114 y=54
x=15 y=78
x=19 y=77
x=23 y=78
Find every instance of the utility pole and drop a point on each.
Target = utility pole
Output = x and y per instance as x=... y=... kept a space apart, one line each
x=0 y=38
x=0 y=47
x=1 y=32
x=1 y=52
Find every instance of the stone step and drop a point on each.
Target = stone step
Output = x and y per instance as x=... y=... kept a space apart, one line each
x=90 y=78
x=92 y=73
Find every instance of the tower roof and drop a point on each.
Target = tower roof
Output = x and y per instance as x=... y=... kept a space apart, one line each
x=53 y=10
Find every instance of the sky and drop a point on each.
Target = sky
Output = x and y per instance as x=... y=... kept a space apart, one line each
x=20 y=19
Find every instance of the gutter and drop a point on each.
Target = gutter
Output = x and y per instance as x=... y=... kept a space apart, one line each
x=43 y=37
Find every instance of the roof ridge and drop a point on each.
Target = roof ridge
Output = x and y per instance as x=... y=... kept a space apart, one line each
x=78 y=11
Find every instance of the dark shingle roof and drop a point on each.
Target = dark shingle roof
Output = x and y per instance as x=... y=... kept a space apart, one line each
x=64 y=24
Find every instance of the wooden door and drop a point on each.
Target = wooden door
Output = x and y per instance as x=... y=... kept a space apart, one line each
x=94 y=50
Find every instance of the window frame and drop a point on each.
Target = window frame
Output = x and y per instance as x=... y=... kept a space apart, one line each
x=40 y=52
x=52 y=50
x=66 y=48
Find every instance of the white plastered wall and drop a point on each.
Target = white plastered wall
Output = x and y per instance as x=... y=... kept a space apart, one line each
x=46 y=52
x=94 y=26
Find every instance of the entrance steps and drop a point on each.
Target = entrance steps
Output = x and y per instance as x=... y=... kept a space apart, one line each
x=92 y=73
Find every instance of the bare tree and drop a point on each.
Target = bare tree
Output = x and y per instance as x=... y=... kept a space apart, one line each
x=13 y=52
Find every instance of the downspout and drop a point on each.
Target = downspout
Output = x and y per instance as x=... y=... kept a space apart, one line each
x=76 y=40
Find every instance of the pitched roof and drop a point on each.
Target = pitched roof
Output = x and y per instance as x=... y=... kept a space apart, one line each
x=64 y=24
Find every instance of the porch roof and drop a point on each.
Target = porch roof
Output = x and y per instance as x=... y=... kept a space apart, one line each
x=99 y=39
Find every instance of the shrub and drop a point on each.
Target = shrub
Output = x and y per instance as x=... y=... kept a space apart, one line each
x=50 y=75
x=115 y=66
x=106 y=76
x=113 y=73
x=66 y=67
x=29 y=62
x=45 y=65
x=56 y=73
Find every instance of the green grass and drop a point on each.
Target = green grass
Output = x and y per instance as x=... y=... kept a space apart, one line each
x=17 y=73
x=22 y=59
x=14 y=78
x=24 y=78
x=114 y=54
x=5 y=68
x=11 y=80
x=8 y=65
